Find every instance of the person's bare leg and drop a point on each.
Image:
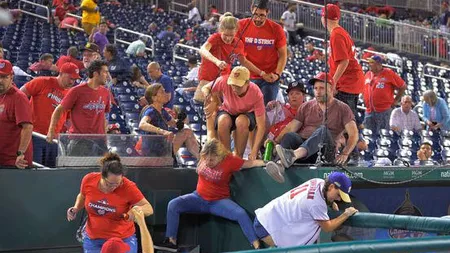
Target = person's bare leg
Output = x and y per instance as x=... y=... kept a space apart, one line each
x=256 y=244
x=240 y=142
x=223 y=130
x=300 y=153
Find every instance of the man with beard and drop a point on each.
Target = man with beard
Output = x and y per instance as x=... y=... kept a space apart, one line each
x=297 y=217
x=46 y=93
x=307 y=131
x=16 y=122
x=88 y=104
x=91 y=52
x=265 y=45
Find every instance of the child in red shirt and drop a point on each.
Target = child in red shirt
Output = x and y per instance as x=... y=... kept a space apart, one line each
x=109 y=198
x=215 y=169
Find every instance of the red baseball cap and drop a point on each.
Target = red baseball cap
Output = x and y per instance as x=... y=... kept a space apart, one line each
x=70 y=68
x=333 y=12
x=115 y=245
x=5 y=67
x=321 y=77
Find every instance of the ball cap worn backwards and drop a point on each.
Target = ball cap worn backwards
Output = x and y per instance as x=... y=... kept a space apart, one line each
x=341 y=181
x=239 y=76
x=333 y=12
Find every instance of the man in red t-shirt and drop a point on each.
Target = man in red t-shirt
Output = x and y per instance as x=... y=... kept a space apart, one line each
x=61 y=10
x=72 y=56
x=265 y=46
x=46 y=94
x=242 y=110
x=344 y=68
x=379 y=88
x=15 y=121
x=88 y=104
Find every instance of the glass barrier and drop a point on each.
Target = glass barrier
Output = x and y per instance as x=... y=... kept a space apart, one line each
x=86 y=149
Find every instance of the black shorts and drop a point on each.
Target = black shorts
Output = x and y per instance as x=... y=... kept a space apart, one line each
x=250 y=116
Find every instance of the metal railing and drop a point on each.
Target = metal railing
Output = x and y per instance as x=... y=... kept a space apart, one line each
x=363 y=28
x=442 y=71
x=175 y=56
x=74 y=27
x=116 y=39
x=32 y=13
x=173 y=8
x=43 y=137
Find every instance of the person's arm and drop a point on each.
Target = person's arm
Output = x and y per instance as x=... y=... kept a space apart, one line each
x=393 y=121
x=252 y=163
x=248 y=64
x=24 y=90
x=204 y=52
x=293 y=126
x=282 y=59
x=145 y=126
x=352 y=131
x=331 y=225
x=146 y=239
x=25 y=139
x=56 y=116
x=342 y=66
x=143 y=205
x=143 y=81
x=260 y=132
x=398 y=97
x=206 y=89
x=443 y=107
x=79 y=204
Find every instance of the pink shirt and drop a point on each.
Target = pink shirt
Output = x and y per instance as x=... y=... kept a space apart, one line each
x=87 y=109
x=252 y=101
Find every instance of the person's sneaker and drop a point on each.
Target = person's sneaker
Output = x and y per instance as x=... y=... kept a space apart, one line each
x=275 y=171
x=287 y=156
x=166 y=245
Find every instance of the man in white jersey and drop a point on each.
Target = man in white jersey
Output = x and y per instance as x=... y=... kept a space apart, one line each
x=296 y=217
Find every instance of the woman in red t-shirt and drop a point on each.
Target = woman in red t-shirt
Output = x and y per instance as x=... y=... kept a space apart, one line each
x=109 y=198
x=219 y=53
x=215 y=168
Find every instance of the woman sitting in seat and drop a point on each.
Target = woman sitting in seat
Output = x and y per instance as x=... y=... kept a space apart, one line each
x=435 y=112
x=156 y=120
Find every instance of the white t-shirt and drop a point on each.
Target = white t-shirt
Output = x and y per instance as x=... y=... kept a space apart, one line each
x=194 y=12
x=192 y=75
x=289 y=20
x=291 y=219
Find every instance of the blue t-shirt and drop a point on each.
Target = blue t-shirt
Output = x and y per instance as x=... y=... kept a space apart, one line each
x=157 y=119
x=166 y=82
x=444 y=17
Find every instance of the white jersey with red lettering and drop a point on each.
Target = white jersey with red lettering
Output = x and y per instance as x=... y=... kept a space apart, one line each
x=291 y=219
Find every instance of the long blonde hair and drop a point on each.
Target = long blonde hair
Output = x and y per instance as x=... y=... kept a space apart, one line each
x=430 y=97
x=215 y=148
x=228 y=22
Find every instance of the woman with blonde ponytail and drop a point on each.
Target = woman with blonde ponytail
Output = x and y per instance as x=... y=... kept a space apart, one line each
x=219 y=53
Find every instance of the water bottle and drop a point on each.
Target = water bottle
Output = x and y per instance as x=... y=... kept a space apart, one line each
x=269 y=150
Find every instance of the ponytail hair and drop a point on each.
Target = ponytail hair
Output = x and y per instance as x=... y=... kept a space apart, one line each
x=228 y=22
x=110 y=163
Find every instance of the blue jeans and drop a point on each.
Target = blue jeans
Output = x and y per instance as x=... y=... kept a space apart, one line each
x=377 y=120
x=294 y=141
x=44 y=153
x=352 y=101
x=269 y=90
x=193 y=203
x=95 y=245
x=261 y=232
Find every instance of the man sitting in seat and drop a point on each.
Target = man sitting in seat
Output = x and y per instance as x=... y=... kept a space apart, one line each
x=242 y=110
x=301 y=138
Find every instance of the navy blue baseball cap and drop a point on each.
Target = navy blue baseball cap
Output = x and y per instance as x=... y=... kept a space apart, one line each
x=341 y=181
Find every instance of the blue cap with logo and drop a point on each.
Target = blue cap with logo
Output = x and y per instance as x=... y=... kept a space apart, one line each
x=341 y=181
